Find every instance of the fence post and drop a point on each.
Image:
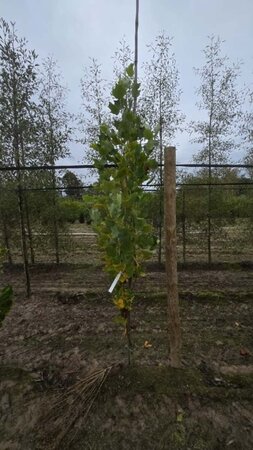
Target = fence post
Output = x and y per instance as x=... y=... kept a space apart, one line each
x=171 y=255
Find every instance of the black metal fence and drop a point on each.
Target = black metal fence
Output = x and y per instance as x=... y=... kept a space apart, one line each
x=214 y=214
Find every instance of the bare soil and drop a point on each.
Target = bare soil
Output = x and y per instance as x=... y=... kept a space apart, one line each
x=67 y=329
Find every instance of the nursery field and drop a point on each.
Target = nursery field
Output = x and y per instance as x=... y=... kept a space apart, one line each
x=67 y=329
x=77 y=243
x=101 y=348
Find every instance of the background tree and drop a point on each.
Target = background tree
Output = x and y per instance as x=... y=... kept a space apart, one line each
x=231 y=212
x=54 y=131
x=247 y=130
x=8 y=215
x=5 y=210
x=73 y=185
x=94 y=100
x=160 y=103
x=219 y=103
x=122 y=58
x=17 y=90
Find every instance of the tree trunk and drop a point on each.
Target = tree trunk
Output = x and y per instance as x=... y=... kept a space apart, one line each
x=55 y=224
x=26 y=208
x=160 y=177
x=184 y=228
x=136 y=51
x=160 y=226
x=209 y=230
x=210 y=148
x=128 y=335
x=7 y=242
x=22 y=217
x=16 y=149
x=23 y=237
x=29 y=230
x=171 y=256
x=52 y=162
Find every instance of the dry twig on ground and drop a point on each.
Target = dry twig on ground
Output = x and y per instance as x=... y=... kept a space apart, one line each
x=59 y=424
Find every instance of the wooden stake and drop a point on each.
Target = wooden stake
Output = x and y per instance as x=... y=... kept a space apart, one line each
x=171 y=255
x=136 y=50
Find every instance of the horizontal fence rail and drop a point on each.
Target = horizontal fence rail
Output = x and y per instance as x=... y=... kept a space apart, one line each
x=214 y=216
x=91 y=166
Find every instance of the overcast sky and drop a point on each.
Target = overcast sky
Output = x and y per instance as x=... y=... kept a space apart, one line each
x=74 y=30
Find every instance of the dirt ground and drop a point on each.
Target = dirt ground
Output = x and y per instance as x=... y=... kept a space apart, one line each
x=67 y=329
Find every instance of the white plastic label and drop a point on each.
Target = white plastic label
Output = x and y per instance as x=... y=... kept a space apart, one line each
x=115 y=281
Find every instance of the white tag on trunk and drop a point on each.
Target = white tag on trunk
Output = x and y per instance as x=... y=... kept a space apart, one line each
x=115 y=281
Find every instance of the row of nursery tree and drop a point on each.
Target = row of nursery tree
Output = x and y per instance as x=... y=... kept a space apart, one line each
x=37 y=129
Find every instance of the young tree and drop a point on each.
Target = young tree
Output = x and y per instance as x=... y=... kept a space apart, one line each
x=124 y=235
x=54 y=130
x=160 y=102
x=17 y=89
x=219 y=102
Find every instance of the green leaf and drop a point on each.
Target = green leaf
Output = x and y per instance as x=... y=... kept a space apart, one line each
x=147 y=134
x=114 y=108
x=130 y=70
x=104 y=128
x=120 y=89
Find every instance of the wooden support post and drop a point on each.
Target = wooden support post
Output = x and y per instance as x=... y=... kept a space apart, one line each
x=171 y=255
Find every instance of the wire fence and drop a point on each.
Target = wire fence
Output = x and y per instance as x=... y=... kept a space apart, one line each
x=214 y=214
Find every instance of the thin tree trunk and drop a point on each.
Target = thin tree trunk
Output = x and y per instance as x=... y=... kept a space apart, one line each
x=29 y=230
x=26 y=208
x=6 y=242
x=19 y=180
x=136 y=51
x=160 y=225
x=171 y=256
x=160 y=176
x=21 y=212
x=209 y=230
x=209 y=227
x=55 y=224
x=23 y=238
x=184 y=228
x=52 y=162
x=128 y=335
x=127 y=313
